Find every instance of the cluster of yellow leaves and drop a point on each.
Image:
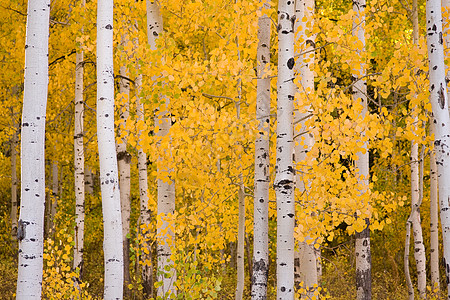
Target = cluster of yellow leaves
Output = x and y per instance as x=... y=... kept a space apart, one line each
x=60 y=281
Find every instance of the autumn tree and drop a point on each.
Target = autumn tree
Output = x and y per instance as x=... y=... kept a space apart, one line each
x=30 y=229
x=112 y=223
x=439 y=102
x=262 y=164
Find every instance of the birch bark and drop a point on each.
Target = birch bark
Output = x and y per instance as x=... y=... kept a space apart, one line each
x=79 y=164
x=262 y=173
x=31 y=219
x=109 y=181
x=434 y=220
x=414 y=218
x=284 y=180
x=362 y=242
x=166 y=188
x=439 y=102
x=305 y=257
x=123 y=162
x=145 y=213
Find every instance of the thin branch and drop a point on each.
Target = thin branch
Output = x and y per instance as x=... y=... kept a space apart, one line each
x=216 y=96
x=62 y=57
x=125 y=78
x=14 y=10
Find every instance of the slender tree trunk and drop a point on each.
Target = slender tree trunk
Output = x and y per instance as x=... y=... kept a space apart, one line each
x=166 y=188
x=414 y=218
x=438 y=99
x=284 y=181
x=109 y=179
x=362 y=242
x=145 y=213
x=406 y=260
x=54 y=197
x=79 y=165
x=31 y=219
x=240 y=242
x=434 y=186
x=88 y=181
x=14 y=202
x=262 y=163
x=123 y=162
x=241 y=196
x=305 y=257
x=434 y=220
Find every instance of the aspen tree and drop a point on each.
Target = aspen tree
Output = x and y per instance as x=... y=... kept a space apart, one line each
x=414 y=218
x=262 y=174
x=241 y=204
x=434 y=195
x=79 y=163
x=284 y=180
x=109 y=181
x=362 y=242
x=434 y=219
x=88 y=181
x=123 y=162
x=14 y=202
x=145 y=213
x=54 y=197
x=438 y=99
x=305 y=257
x=166 y=187
x=241 y=232
x=30 y=231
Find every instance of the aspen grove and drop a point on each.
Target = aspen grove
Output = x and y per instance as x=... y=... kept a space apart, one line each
x=224 y=149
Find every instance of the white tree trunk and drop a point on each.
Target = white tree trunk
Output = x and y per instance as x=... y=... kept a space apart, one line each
x=362 y=243
x=284 y=181
x=415 y=223
x=166 y=206
x=416 y=200
x=241 y=205
x=438 y=98
x=262 y=163
x=145 y=213
x=305 y=257
x=123 y=162
x=88 y=181
x=109 y=181
x=30 y=232
x=434 y=220
x=14 y=202
x=434 y=186
x=166 y=188
x=241 y=241
x=54 y=197
x=79 y=164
